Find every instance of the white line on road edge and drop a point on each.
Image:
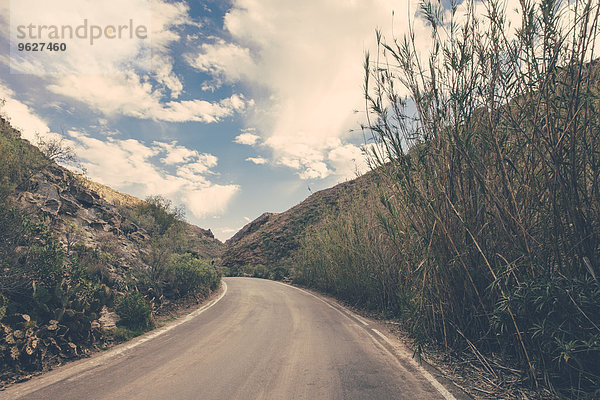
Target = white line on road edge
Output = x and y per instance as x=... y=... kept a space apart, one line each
x=405 y=355
x=81 y=368
x=350 y=314
x=401 y=352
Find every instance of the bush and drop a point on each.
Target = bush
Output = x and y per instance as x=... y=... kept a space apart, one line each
x=134 y=311
x=260 y=271
x=279 y=273
x=225 y=271
x=186 y=275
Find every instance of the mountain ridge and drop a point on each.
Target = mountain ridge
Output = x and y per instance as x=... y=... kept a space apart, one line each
x=271 y=239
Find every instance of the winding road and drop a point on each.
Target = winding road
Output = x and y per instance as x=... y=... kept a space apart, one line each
x=259 y=340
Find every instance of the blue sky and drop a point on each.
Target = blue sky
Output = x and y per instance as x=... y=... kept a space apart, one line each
x=228 y=108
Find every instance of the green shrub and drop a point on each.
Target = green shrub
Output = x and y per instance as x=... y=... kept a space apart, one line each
x=225 y=271
x=121 y=334
x=260 y=271
x=187 y=275
x=134 y=311
x=279 y=273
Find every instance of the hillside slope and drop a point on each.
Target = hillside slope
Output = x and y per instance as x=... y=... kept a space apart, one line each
x=75 y=256
x=202 y=241
x=272 y=238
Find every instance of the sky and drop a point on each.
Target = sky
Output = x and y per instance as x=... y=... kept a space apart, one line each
x=229 y=108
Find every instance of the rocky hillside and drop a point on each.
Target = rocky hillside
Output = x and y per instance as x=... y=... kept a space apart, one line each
x=271 y=239
x=110 y=195
x=93 y=215
x=202 y=241
x=76 y=257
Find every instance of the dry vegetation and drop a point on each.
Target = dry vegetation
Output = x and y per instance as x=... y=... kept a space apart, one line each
x=486 y=236
x=68 y=258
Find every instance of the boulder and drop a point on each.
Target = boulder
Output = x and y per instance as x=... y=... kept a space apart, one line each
x=51 y=206
x=85 y=198
x=69 y=206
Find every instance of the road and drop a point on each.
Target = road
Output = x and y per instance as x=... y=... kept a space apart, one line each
x=261 y=340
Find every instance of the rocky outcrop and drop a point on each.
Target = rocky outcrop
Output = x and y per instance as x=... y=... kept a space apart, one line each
x=79 y=214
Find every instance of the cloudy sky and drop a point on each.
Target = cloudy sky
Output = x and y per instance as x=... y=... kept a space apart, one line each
x=228 y=108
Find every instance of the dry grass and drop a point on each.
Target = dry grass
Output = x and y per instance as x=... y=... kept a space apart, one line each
x=110 y=195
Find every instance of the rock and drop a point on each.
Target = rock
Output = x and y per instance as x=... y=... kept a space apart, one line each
x=47 y=190
x=51 y=206
x=129 y=228
x=108 y=319
x=115 y=231
x=85 y=198
x=99 y=224
x=71 y=348
x=14 y=352
x=56 y=174
x=69 y=206
x=139 y=236
x=27 y=197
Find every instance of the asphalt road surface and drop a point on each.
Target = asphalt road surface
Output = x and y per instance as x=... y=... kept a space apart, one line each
x=260 y=340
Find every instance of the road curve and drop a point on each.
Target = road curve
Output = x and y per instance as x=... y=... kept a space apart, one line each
x=262 y=340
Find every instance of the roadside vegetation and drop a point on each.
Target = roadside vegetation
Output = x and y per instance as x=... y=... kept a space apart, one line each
x=55 y=285
x=171 y=272
x=279 y=272
x=484 y=233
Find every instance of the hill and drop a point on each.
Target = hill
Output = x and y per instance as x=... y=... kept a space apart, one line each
x=76 y=257
x=202 y=241
x=272 y=238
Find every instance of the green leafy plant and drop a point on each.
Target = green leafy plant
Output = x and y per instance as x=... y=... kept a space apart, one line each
x=186 y=275
x=135 y=312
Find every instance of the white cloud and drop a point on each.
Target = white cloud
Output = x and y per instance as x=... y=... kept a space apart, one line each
x=309 y=58
x=85 y=53
x=208 y=200
x=257 y=160
x=305 y=62
x=227 y=61
x=166 y=17
x=123 y=77
x=194 y=162
x=126 y=94
x=21 y=116
x=128 y=165
x=247 y=138
x=175 y=154
x=347 y=161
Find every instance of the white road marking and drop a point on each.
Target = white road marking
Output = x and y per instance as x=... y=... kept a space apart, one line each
x=399 y=351
x=347 y=314
x=430 y=378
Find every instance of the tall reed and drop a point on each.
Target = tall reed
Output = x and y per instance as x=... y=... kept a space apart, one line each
x=490 y=150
